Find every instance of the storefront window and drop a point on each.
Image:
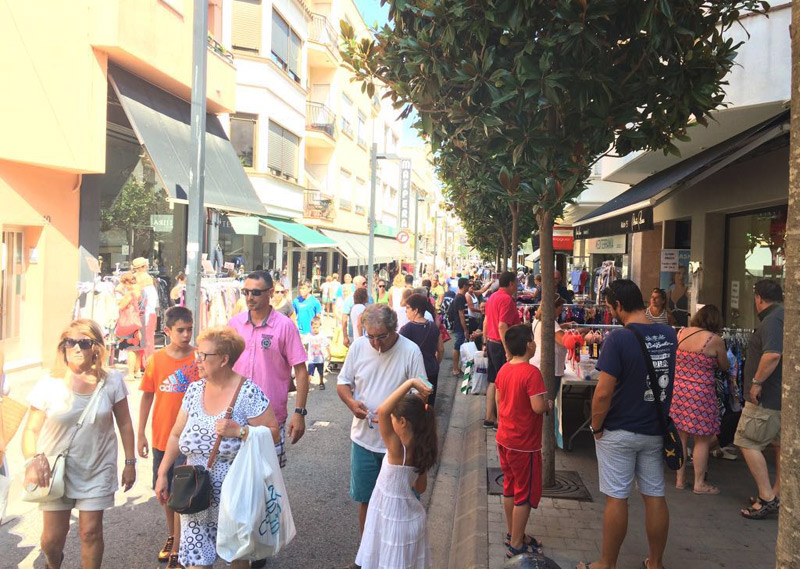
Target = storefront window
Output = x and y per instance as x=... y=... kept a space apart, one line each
x=242 y=250
x=755 y=251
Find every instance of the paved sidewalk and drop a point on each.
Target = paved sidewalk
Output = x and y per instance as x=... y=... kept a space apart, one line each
x=706 y=532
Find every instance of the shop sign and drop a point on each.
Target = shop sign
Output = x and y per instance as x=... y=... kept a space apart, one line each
x=669 y=260
x=615 y=245
x=735 y=295
x=405 y=194
x=631 y=222
x=562 y=239
x=161 y=223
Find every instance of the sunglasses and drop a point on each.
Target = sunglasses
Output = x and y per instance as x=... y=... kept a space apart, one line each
x=381 y=286
x=279 y=292
x=377 y=338
x=201 y=356
x=84 y=343
x=254 y=292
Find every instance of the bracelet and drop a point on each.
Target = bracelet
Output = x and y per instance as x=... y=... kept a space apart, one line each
x=31 y=459
x=757 y=383
x=130 y=462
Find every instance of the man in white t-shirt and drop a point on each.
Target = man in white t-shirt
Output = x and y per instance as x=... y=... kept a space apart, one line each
x=377 y=363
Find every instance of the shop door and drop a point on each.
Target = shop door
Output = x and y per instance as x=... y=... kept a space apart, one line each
x=12 y=284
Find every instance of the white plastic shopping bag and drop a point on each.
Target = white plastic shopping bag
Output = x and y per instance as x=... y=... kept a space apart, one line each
x=480 y=377
x=255 y=520
x=466 y=352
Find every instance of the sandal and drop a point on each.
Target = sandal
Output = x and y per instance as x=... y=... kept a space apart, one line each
x=527 y=540
x=525 y=549
x=767 y=508
x=174 y=563
x=163 y=555
x=644 y=564
x=707 y=491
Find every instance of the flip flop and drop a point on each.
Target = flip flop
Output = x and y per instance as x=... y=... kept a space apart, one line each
x=583 y=565
x=644 y=564
x=710 y=490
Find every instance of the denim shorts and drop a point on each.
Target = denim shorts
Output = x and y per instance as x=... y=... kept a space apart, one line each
x=623 y=457
x=459 y=335
x=365 y=465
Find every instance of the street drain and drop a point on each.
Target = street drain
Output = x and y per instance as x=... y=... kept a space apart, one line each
x=569 y=485
x=527 y=561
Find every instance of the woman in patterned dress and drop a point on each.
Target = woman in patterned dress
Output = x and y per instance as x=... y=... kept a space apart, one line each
x=694 y=401
x=200 y=421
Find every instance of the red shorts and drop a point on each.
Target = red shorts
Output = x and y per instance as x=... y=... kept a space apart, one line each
x=522 y=475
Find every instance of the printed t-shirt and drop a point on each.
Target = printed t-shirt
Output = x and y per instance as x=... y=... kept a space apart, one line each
x=518 y=427
x=306 y=308
x=632 y=406
x=167 y=378
x=272 y=348
x=501 y=307
x=561 y=351
x=374 y=376
x=317 y=343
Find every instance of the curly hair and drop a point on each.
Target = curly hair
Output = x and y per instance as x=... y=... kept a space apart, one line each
x=422 y=419
x=226 y=340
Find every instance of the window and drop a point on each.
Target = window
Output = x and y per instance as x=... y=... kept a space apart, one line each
x=362 y=129
x=243 y=137
x=286 y=47
x=347 y=113
x=246 y=26
x=13 y=273
x=362 y=195
x=283 y=151
x=345 y=190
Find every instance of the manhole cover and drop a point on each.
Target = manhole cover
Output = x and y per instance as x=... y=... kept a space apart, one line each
x=569 y=485
x=531 y=562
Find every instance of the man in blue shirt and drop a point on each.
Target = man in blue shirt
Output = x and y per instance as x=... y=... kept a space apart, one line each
x=307 y=307
x=625 y=424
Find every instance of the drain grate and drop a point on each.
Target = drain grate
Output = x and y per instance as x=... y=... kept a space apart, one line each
x=531 y=562
x=569 y=485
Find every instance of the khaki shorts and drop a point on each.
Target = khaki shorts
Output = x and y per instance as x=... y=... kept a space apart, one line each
x=80 y=504
x=758 y=427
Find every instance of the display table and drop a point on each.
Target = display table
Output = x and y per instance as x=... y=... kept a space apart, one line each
x=570 y=383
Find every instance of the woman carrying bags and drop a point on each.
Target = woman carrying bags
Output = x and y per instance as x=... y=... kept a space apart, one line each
x=74 y=409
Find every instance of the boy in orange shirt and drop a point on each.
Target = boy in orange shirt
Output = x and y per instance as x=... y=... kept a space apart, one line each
x=166 y=377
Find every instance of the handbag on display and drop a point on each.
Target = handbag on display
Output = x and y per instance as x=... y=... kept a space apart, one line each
x=55 y=491
x=673 y=448
x=191 y=484
x=11 y=414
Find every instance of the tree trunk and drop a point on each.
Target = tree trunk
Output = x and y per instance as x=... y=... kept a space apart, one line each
x=514 y=235
x=788 y=552
x=548 y=347
x=504 y=261
x=498 y=259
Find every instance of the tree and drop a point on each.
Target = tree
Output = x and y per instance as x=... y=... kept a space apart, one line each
x=546 y=87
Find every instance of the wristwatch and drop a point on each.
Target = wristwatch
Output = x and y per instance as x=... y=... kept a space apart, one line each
x=302 y=411
x=595 y=431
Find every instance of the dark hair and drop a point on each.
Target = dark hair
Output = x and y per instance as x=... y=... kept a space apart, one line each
x=360 y=296
x=708 y=318
x=409 y=278
x=261 y=275
x=627 y=293
x=176 y=314
x=517 y=338
x=426 y=283
x=506 y=278
x=769 y=290
x=422 y=419
x=419 y=303
x=180 y=276
x=462 y=282
x=662 y=293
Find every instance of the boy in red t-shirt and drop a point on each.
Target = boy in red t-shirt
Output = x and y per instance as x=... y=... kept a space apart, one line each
x=166 y=377
x=521 y=400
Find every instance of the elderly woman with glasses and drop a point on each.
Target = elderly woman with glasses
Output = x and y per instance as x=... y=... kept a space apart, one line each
x=200 y=421
x=79 y=381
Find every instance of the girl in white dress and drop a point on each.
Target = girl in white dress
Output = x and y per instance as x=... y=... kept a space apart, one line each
x=396 y=533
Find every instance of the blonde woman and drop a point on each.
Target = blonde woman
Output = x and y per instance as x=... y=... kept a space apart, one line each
x=90 y=474
x=396 y=293
x=129 y=301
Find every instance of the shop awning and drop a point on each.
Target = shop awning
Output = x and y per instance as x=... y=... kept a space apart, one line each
x=162 y=124
x=355 y=246
x=630 y=210
x=305 y=236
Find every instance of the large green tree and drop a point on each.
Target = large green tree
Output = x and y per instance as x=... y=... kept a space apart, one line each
x=548 y=86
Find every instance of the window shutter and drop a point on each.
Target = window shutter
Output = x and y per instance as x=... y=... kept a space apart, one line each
x=280 y=37
x=294 y=53
x=246 y=29
x=291 y=154
x=275 y=150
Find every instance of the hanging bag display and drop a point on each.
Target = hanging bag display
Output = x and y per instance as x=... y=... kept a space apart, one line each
x=191 y=484
x=55 y=491
x=673 y=449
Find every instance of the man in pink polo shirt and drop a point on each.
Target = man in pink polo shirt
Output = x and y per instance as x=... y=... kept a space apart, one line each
x=272 y=348
x=501 y=314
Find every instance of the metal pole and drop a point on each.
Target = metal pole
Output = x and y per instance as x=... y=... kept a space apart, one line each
x=373 y=158
x=435 y=242
x=196 y=214
x=416 y=231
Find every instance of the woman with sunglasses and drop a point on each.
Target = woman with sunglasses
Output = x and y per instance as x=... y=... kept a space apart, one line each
x=382 y=297
x=90 y=473
x=281 y=303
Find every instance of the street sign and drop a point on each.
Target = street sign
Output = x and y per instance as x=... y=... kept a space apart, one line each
x=405 y=194
x=403 y=237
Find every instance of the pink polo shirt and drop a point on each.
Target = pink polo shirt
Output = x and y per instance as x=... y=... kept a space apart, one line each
x=272 y=348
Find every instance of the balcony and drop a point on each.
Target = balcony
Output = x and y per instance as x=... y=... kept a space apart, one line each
x=217 y=48
x=323 y=43
x=318 y=207
x=321 y=129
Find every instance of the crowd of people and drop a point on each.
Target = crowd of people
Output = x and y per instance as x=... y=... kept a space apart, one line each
x=394 y=340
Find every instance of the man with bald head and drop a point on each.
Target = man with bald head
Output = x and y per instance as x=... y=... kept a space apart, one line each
x=347 y=326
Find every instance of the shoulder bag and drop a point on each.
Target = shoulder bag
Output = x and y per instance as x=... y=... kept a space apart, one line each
x=55 y=491
x=191 y=484
x=673 y=449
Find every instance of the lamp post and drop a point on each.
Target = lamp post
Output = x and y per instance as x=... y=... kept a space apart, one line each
x=416 y=231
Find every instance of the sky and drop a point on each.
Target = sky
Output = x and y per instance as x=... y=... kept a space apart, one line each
x=373 y=13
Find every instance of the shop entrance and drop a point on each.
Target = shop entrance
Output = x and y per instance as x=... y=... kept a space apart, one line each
x=12 y=284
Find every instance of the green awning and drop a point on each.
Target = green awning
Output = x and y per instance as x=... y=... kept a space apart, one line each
x=305 y=236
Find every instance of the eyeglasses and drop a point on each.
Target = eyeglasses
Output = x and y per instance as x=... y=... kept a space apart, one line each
x=254 y=292
x=377 y=338
x=84 y=343
x=201 y=356
x=278 y=292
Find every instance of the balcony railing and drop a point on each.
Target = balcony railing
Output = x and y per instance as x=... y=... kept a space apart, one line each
x=316 y=207
x=219 y=49
x=321 y=118
x=323 y=32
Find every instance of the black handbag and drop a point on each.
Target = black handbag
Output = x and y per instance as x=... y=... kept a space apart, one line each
x=191 y=484
x=673 y=448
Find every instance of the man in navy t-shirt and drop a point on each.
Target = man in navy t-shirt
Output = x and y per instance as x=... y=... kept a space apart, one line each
x=625 y=423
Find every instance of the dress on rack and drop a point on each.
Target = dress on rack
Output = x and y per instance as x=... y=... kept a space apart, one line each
x=694 y=398
x=396 y=529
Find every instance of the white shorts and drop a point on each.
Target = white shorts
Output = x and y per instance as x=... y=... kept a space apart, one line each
x=80 y=504
x=623 y=456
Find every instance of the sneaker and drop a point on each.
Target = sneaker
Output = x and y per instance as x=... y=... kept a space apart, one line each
x=723 y=454
x=164 y=554
x=174 y=563
x=322 y=387
x=489 y=424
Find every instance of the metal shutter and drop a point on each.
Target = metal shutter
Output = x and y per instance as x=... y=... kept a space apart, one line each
x=280 y=37
x=291 y=154
x=275 y=148
x=246 y=29
x=295 y=48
